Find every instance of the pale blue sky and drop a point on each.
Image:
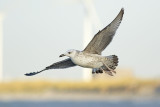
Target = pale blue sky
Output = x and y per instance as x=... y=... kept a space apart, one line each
x=36 y=32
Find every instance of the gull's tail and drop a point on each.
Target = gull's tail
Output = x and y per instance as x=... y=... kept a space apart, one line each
x=112 y=61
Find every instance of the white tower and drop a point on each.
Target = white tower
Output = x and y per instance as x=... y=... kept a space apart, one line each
x=1 y=46
x=91 y=21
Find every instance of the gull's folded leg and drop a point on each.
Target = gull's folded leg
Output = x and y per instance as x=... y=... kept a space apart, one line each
x=114 y=71
x=109 y=68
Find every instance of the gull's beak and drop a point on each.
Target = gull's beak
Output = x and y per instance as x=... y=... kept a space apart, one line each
x=61 y=55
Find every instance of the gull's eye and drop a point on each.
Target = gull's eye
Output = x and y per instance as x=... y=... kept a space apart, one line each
x=69 y=52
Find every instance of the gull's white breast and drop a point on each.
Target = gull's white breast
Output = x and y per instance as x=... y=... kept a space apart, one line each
x=87 y=60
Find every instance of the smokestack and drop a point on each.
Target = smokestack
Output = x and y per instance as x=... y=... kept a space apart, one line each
x=91 y=21
x=87 y=36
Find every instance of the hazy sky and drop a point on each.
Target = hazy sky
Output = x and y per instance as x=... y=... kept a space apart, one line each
x=36 y=32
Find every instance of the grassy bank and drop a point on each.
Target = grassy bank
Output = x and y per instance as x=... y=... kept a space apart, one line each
x=111 y=86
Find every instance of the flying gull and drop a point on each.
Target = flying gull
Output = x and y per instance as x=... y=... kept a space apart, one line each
x=91 y=57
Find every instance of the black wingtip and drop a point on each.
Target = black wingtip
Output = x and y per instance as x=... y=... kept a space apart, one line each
x=31 y=74
x=34 y=73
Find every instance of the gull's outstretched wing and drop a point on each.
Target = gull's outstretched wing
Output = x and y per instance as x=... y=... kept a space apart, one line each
x=104 y=37
x=58 y=65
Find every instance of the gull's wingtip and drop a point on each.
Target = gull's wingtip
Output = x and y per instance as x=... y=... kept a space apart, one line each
x=34 y=73
x=31 y=74
x=122 y=10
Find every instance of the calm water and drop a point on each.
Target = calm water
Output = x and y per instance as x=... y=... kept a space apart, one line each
x=147 y=103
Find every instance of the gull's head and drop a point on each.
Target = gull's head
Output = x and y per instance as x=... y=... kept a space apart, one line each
x=70 y=53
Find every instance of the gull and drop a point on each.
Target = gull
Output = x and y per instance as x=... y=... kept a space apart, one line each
x=91 y=56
